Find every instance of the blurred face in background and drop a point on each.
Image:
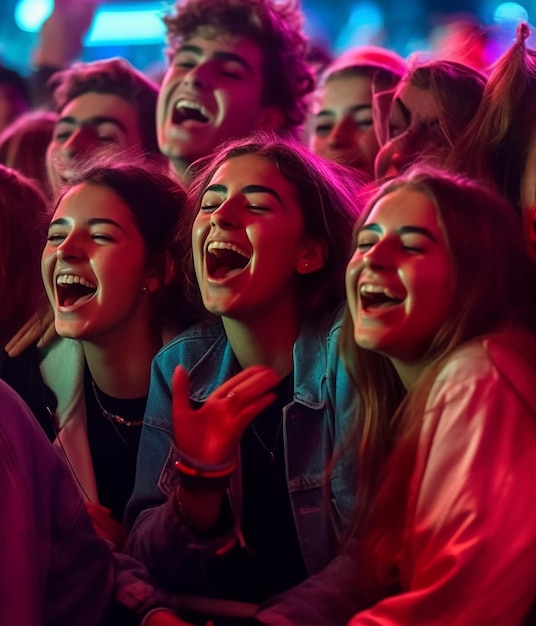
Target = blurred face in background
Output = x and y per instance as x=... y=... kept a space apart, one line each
x=412 y=118
x=342 y=121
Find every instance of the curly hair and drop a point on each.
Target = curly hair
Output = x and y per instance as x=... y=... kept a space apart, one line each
x=276 y=27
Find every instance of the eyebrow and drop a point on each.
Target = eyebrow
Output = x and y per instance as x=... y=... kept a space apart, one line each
x=92 y=121
x=354 y=109
x=63 y=221
x=403 y=230
x=246 y=190
x=220 y=55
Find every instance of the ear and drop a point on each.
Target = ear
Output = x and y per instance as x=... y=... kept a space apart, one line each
x=313 y=256
x=271 y=118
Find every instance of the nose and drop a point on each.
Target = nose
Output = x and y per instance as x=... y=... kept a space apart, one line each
x=379 y=255
x=340 y=134
x=198 y=76
x=225 y=216
x=81 y=142
x=70 y=249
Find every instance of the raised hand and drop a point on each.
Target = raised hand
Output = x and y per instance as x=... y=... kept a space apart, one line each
x=209 y=436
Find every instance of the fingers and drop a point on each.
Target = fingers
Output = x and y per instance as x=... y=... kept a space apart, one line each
x=38 y=329
x=246 y=395
x=49 y=330
x=250 y=381
x=28 y=334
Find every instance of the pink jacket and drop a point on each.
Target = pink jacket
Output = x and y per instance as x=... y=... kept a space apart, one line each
x=468 y=555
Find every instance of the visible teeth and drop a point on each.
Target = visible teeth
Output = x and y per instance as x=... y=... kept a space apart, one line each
x=190 y=104
x=366 y=288
x=221 y=245
x=72 y=279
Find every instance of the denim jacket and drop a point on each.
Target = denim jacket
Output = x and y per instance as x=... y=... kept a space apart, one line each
x=316 y=422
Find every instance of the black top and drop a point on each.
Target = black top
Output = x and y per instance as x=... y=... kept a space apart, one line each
x=113 y=446
x=23 y=375
x=269 y=529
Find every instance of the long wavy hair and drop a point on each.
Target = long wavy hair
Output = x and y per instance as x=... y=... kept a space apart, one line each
x=24 y=218
x=491 y=290
x=494 y=147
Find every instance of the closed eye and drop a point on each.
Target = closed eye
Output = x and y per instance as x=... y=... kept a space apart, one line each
x=208 y=208
x=413 y=249
x=55 y=239
x=102 y=237
x=323 y=129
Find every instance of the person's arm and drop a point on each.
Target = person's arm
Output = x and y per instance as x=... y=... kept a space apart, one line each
x=54 y=568
x=180 y=524
x=59 y=44
x=469 y=555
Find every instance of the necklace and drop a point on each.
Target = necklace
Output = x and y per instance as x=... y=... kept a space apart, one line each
x=112 y=416
x=271 y=453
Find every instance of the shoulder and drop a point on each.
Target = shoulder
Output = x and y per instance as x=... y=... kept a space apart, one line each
x=491 y=369
x=189 y=346
x=325 y=330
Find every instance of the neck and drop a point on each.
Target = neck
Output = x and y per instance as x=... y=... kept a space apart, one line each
x=121 y=367
x=264 y=341
x=178 y=167
x=408 y=372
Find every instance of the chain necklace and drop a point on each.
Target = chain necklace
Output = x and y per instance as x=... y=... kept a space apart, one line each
x=271 y=453
x=112 y=416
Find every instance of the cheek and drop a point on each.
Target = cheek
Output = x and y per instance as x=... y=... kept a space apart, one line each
x=48 y=260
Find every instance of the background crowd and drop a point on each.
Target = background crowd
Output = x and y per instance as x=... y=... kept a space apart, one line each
x=269 y=330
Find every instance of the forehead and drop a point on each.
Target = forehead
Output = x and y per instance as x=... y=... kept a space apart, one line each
x=94 y=105
x=86 y=201
x=405 y=207
x=246 y=170
x=210 y=44
x=344 y=91
x=420 y=103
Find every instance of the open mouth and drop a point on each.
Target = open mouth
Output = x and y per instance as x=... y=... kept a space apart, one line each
x=72 y=289
x=378 y=297
x=188 y=110
x=225 y=259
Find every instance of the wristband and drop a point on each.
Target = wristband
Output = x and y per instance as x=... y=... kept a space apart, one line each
x=208 y=479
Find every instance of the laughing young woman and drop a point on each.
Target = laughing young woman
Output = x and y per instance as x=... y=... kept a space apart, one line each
x=438 y=340
x=258 y=387
x=107 y=271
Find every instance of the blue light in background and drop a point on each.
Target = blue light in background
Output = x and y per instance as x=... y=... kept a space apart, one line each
x=133 y=24
x=365 y=22
x=510 y=12
x=30 y=14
